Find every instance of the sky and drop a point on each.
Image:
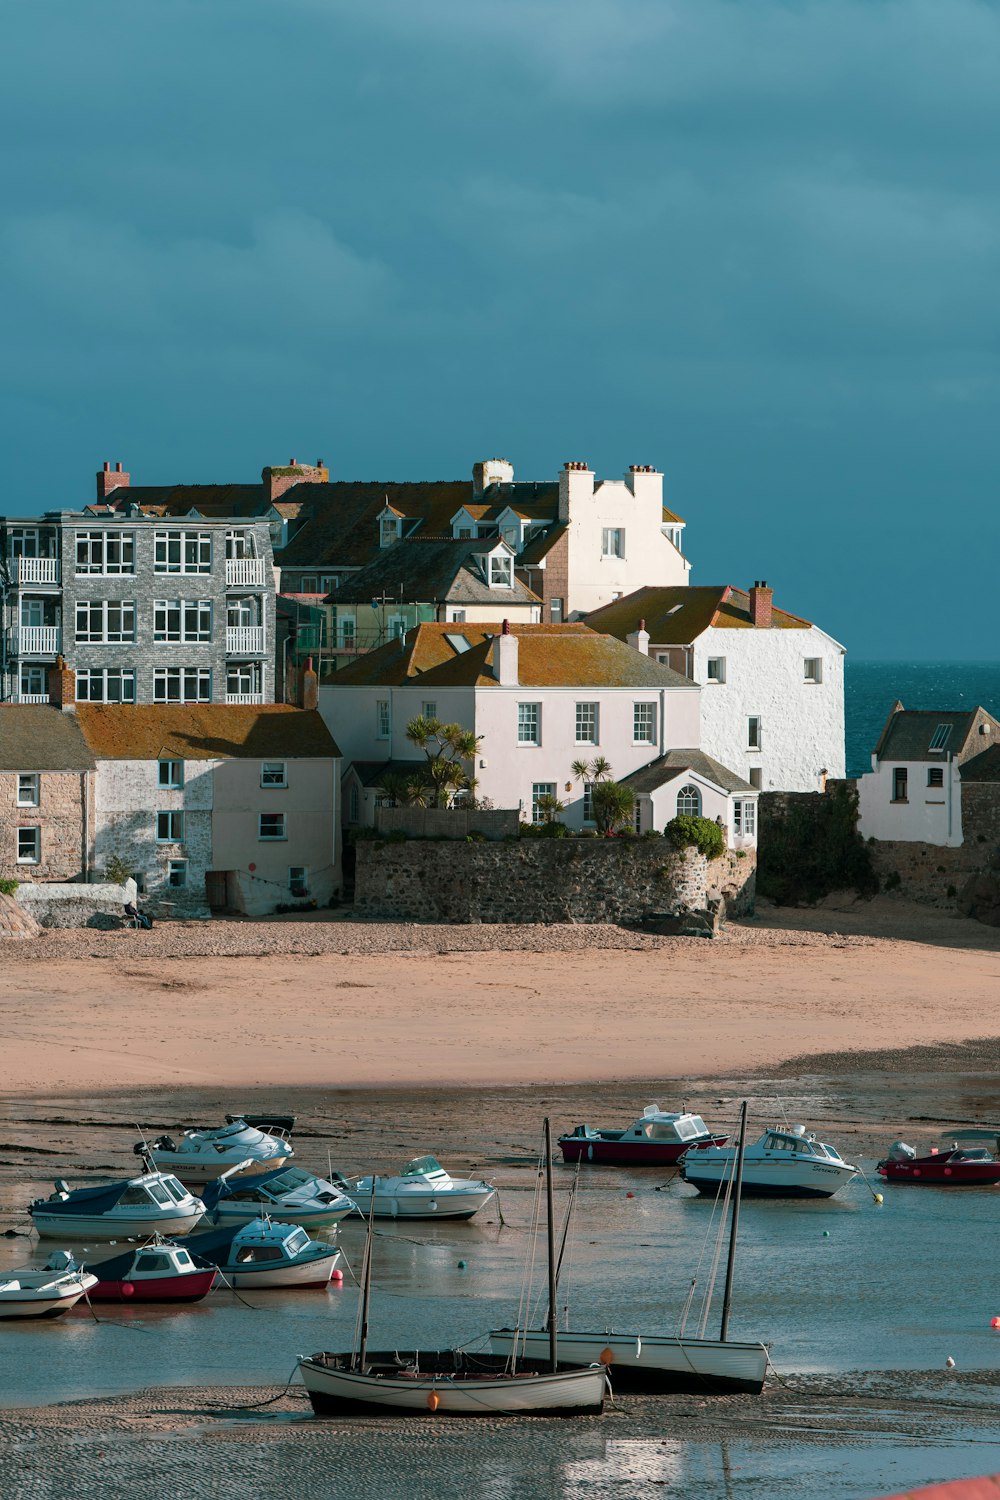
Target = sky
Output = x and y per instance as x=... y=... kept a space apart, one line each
x=755 y=243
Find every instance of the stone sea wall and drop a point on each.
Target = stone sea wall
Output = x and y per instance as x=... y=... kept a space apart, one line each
x=546 y=880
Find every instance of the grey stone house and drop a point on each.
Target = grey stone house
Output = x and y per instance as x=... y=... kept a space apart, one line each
x=46 y=795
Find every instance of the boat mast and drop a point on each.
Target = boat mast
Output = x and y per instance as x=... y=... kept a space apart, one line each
x=366 y=1289
x=553 y=1336
x=734 y=1226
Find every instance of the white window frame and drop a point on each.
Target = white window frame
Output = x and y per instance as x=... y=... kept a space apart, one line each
x=271 y=820
x=590 y=715
x=243 y=679
x=812 y=669
x=755 y=732
x=715 y=669
x=613 y=542
x=28 y=789
x=556 y=611
x=170 y=774
x=529 y=724
x=388 y=530
x=347 y=631
x=34 y=679
x=186 y=678
x=89 y=678
x=182 y=552
x=383 y=719
x=107 y=552
x=644 y=722
x=429 y=710
x=540 y=789
x=500 y=562
x=744 y=817
x=691 y=795
x=105 y=610
x=169 y=825
x=241 y=544
x=274 y=773
x=396 y=627
x=182 y=621
x=35 y=856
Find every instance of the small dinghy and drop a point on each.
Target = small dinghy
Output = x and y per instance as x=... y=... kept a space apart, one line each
x=657 y=1139
x=290 y=1194
x=152 y=1202
x=158 y=1271
x=950 y=1165
x=202 y=1155
x=423 y=1190
x=781 y=1164
x=45 y=1293
x=266 y=1254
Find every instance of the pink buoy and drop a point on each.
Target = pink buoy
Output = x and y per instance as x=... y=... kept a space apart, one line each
x=337 y=1276
x=995 y=1322
x=128 y=1289
x=947 y=1171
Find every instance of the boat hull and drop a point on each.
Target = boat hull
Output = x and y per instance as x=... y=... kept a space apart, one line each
x=611 y=1151
x=422 y=1205
x=336 y=1390
x=927 y=1173
x=653 y=1362
x=33 y=1306
x=190 y=1288
x=288 y=1214
x=105 y=1227
x=193 y=1172
x=771 y=1179
x=314 y=1273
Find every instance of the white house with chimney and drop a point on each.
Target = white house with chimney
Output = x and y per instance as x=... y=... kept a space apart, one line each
x=543 y=698
x=772 y=700
x=925 y=764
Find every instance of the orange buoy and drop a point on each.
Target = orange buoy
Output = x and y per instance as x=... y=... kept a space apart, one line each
x=995 y=1322
x=127 y=1289
x=607 y=1356
x=433 y=1400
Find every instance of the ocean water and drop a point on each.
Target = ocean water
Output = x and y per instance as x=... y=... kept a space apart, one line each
x=872 y=687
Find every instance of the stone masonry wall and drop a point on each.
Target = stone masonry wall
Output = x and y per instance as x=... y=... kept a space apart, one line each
x=59 y=816
x=545 y=880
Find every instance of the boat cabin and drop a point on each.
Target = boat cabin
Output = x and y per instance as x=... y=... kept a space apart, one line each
x=262 y=1242
x=796 y=1140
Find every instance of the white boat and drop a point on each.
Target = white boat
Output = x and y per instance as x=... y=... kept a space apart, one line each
x=450 y=1382
x=661 y=1361
x=202 y=1155
x=781 y=1164
x=423 y=1190
x=44 y=1293
x=290 y=1194
x=265 y=1255
x=153 y=1202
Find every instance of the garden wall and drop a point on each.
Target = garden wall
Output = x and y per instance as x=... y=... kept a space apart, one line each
x=546 y=880
x=448 y=823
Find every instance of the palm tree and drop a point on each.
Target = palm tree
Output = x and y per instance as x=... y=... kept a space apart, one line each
x=613 y=805
x=447 y=748
x=548 y=806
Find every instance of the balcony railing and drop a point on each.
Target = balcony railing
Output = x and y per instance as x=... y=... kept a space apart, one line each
x=245 y=572
x=31 y=698
x=244 y=697
x=34 y=640
x=245 y=640
x=37 y=570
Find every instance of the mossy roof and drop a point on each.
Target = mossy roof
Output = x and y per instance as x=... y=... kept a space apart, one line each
x=204 y=731
x=678 y=615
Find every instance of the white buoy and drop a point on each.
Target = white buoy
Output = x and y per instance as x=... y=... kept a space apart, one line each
x=949 y=1363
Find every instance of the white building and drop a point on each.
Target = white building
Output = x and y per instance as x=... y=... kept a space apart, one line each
x=913 y=793
x=542 y=697
x=772 y=702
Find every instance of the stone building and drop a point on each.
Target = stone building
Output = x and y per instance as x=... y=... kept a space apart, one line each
x=46 y=795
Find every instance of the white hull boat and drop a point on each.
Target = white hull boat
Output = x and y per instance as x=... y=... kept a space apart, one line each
x=267 y=1255
x=141 y=1206
x=202 y=1155
x=649 y=1362
x=424 y=1190
x=292 y=1195
x=45 y=1293
x=447 y=1384
x=781 y=1164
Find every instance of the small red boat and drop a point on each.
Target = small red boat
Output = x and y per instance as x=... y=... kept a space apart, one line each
x=158 y=1271
x=657 y=1139
x=951 y=1165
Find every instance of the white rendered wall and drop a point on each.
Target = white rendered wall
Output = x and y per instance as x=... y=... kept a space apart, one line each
x=650 y=559
x=312 y=829
x=127 y=798
x=714 y=804
x=802 y=723
x=930 y=814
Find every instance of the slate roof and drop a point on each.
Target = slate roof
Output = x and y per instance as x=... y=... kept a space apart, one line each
x=374 y=772
x=569 y=655
x=430 y=570
x=908 y=734
x=540 y=546
x=211 y=500
x=39 y=737
x=982 y=767
x=676 y=616
x=677 y=763
x=204 y=731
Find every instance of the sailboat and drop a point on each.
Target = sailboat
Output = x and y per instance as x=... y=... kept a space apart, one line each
x=659 y=1361
x=453 y=1382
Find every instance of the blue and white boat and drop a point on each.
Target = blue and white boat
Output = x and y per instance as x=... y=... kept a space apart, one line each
x=265 y=1254
x=781 y=1164
x=199 y=1156
x=290 y=1194
x=153 y=1202
x=423 y=1190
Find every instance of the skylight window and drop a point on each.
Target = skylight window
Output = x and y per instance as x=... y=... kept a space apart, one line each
x=458 y=643
x=674 y=608
x=940 y=737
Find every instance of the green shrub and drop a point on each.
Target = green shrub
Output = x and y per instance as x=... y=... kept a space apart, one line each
x=8 y=886
x=475 y=836
x=652 y=833
x=892 y=881
x=812 y=847
x=544 y=830
x=587 y=833
x=688 y=832
x=363 y=836
x=118 y=870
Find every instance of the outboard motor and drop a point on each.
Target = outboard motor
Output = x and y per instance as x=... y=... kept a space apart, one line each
x=60 y=1260
x=62 y=1188
x=900 y=1151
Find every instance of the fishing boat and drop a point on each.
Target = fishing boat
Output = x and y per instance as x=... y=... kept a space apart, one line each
x=954 y=1165
x=44 y=1293
x=423 y=1190
x=264 y=1254
x=202 y=1155
x=657 y=1139
x=781 y=1164
x=157 y=1271
x=153 y=1201
x=449 y=1382
x=647 y=1361
x=290 y=1194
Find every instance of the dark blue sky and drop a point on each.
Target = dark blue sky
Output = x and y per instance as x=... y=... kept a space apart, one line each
x=754 y=244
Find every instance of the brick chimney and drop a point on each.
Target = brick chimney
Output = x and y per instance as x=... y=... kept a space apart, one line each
x=277 y=481
x=505 y=657
x=109 y=479
x=62 y=686
x=760 y=605
x=639 y=639
x=310 y=686
x=491 y=471
x=575 y=480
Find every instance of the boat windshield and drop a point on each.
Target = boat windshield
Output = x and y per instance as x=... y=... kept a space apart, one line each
x=182 y=1258
x=157 y=1194
x=420 y=1165
x=156 y=1262
x=174 y=1188
x=291 y=1177
x=297 y=1242
x=689 y=1127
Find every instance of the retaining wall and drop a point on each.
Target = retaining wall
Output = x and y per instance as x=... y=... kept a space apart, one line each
x=448 y=823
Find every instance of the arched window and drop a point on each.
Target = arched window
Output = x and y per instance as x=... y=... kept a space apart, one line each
x=689 y=802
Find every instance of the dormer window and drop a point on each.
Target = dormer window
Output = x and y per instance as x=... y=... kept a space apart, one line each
x=389 y=528
x=511 y=534
x=500 y=564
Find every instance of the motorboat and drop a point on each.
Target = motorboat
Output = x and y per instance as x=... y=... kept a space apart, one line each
x=157 y=1271
x=448 y=1382
x=202 y=1155
x=151 y=1202
x=47 y=1292
x=657 y=1139
x=423 y=1190
x=290 y=1194
x=781 y=1164
x=265 y=1254
x=650 y=1361
x=949 y=1165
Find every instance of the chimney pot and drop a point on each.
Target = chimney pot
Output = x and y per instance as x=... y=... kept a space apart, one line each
x=642 y=624
x=118 y=468
x=760 y=605
x=107 y=467
x=292 y=463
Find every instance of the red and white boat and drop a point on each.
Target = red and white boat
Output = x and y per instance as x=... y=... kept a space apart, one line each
x=158 y=1271
x=954 y=1164
x=657 y=1139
